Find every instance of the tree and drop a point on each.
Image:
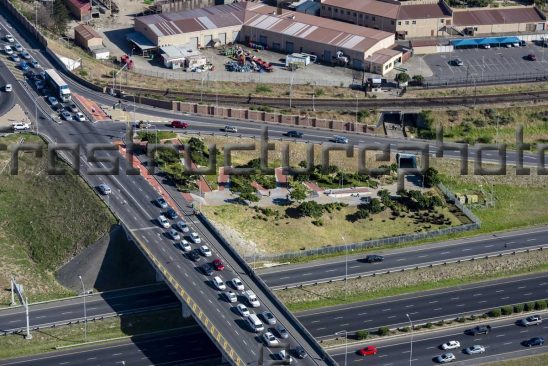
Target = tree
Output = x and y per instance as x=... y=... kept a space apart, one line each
x=375 y=206
x=402 y=78
x=60 y=16
x=299 y=192
x=362 y=334
x=311 y=208
x=249 y=196
x=431 y=177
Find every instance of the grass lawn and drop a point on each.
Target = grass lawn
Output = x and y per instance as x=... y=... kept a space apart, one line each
x=45 y=220
x=519 y=200
x=47 y=339
x=423 y=279
x=537 y=360
x=292 y=234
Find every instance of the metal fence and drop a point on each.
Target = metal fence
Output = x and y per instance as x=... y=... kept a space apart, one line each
x=473 y=80
x=475 y=224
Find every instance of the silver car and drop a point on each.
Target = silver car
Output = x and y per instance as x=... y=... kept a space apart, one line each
x=474 y=350
x=174 y=234
x=268 y=317
x=282 y=332
x=66 y=116
x=104 y=189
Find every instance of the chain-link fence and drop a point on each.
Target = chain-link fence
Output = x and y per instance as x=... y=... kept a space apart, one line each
x=473 y=80
x=475 y=224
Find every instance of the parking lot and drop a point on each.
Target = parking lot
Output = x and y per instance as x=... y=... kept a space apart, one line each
x=489 y=64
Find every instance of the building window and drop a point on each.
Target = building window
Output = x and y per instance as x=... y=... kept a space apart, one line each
x=442 y=21
x=347 y=12
x=407 y=22
x=373 y=18
x=392 y=22
x=361 y=16
x=336 y=10
x=399 y=23
x=355 y=15
x=414 y=22
x=329 y=8
x=366 y=16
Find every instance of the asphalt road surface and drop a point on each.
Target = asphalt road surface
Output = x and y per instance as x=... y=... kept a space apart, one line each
x=180 y=349
x=335 y=268
x=504 y=341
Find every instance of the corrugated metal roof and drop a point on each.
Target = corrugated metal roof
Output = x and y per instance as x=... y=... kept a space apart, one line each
x=86 y=32
x=387 y=9
x=422 y=11
x=497 y=16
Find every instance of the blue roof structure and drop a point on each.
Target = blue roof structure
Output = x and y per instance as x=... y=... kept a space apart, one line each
x=474 y=42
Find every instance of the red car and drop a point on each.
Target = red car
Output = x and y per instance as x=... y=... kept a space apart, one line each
x=368 y=351
x=218 y=264
x=179 y=124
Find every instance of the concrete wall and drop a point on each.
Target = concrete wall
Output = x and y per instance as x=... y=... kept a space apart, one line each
x=360 y=18
x=259 y=116
x=6 y=4
x=423 y=27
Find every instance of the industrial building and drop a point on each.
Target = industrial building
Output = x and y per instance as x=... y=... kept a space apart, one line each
x=411 y=19
x=273 y=28
x=88 y=38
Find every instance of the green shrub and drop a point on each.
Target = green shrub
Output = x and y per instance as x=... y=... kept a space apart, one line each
x=261 y=88
x=540 y=305
x=383 y=331
x=428 y=325
x=518 y=308
x=495 y=313
x=506 y=310
x=460 y=319
x=530 y=306
x=362 y=334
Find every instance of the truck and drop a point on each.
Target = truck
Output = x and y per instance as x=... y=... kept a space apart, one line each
x=59 y=86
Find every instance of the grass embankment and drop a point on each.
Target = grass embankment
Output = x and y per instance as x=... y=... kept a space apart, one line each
x=480 y=90
x=490 y=125
x=399 y=283
x=46 y=340
x=537 y=360
x=46 y=219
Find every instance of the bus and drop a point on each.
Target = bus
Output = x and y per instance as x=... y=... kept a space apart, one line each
x=59 y=86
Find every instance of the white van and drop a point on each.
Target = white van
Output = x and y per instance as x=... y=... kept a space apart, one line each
x=252 y=299
x=254 y=323
x=218 y=283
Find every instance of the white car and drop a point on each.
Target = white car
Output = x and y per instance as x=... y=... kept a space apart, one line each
x=474 y=350
x=174 y=234
x=531 y=320
x=237 y=284
x=19 y=126
x=270 y=340
x=445 y=358
x=450 y=345
x=195 y=238
x=283 y=356
x=79 y=116
x=230 y=296
x=163 y=222
x=9 y=38
x=8 y=50
x=242 y=309
x=8 y=88
x=218 y=283
x=185 y=246
x=232 y=129
x=183 y=227
x=206 y=252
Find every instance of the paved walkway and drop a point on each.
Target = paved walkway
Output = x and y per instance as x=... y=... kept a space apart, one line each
x=93 y=109
x=281 y=178
x=223 y=180
x=313 y=187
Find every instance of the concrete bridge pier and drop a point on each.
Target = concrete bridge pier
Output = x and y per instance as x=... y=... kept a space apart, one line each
x=159 y=276
x=187 y=313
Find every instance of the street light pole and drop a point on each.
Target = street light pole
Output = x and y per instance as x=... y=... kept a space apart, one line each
x=356 y=122
x=85 y=310
x=28 y=335
x=411 y=351
x=345 y=267
x=345 y=344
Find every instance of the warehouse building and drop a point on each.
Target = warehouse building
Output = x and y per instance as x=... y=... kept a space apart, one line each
x=276 y=29
x=88 y=38
x=433 y=19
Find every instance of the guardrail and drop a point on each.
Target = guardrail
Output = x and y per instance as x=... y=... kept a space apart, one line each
x=268 y=292
x=409 y=268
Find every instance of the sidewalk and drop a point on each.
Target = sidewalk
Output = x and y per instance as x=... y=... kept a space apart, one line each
x=92 y=108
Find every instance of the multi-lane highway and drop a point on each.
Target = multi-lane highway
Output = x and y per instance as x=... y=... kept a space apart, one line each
x=132 y=200
x=189 y=347
x=411 y=257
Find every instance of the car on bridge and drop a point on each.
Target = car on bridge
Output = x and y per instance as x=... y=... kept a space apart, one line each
x=195 y=238
x=34 y=63
x=194 y=255
x=270 y=340
x=185 y=246
x=24 y=66
x=206 y=252
x=207 y=269
x=18 y=47
x=8 y=50
x=268 y=317
x=230 y=296
x=172 y=214
x=299 y=352
x=53 y=101
x=283 y=356
x=163 y=222
x=218 y=264
x=182 y=226
x=160 y=202
x=15 y=58
x=237 y=284
x=218 y=283
x=281 y=331
x=25 y=55
x=9 y=38
x=242 y=310
x=173 y=234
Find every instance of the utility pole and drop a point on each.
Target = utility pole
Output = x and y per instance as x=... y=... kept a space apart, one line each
x=290 y=91
x=12 y=283
x=26 y=304
x=345 y=344
x=85 y=310
x=313 y=96
x=356 y=122
x=411 y=351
